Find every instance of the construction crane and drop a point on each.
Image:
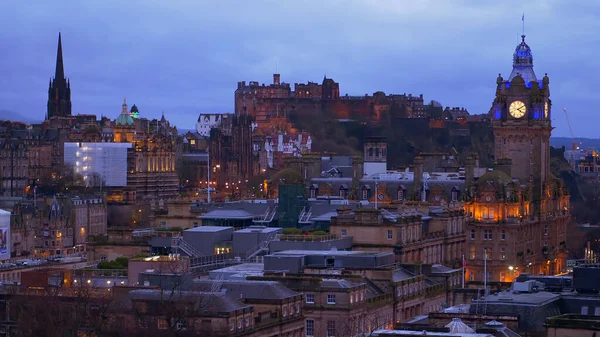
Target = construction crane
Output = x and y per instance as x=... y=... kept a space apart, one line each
x=574 y=147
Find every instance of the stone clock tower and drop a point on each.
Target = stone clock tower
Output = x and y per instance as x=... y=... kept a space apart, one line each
x=521 y=124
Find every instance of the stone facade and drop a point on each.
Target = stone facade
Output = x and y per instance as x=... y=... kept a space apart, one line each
x=415 y=233
x=264 y=102
x=519 y=211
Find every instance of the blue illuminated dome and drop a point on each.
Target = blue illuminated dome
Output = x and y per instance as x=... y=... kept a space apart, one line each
x=523 y=63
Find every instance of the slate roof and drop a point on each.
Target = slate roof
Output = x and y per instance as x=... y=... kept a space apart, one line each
x=269 y=290
x=339 y=284
x=208 y=303
x=441 y=269
x=402 y=274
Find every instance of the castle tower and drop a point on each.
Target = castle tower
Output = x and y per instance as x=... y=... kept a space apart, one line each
x=59 y=92
x=521 y=123
x=375 y=155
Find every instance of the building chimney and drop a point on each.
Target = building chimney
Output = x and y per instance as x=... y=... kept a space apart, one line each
x=418 y=173
x=276 y=78
x=469 y=171
x=504 y=165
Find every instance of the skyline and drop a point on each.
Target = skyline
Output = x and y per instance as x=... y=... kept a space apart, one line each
x=191 y=64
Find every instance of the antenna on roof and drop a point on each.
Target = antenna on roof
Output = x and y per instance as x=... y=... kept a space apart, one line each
x=523 y=20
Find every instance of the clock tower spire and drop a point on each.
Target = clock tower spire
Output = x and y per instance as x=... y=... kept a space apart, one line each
x=521 y=124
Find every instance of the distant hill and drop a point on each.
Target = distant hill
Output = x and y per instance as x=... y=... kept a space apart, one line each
x=567 y=142
x=14 y=116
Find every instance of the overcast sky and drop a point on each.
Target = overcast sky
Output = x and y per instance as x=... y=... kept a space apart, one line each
x=186 y=57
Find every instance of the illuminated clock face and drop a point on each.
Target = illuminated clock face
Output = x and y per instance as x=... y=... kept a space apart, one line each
x=517 y=109
x=546 y=110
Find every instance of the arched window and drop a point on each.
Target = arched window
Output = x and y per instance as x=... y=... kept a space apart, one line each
x=400 y=194
x=376 y=152
x=370 y=152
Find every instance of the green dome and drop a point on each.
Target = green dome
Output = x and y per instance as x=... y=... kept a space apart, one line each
x=124 y=119
x=496 y=178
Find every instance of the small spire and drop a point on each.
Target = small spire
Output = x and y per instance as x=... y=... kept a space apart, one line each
x=125 y=100
x=522 y=38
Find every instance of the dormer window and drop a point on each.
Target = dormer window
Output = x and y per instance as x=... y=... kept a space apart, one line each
x=365 y=193
x=343 y=191
x=454 y=194
x=400 y=194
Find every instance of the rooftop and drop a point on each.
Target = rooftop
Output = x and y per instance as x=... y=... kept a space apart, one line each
x=208 y=302
x=208 y=229
x=329 y=253
x=238 y=214
x=572 y=321
x=426 y=333
x=511 y=298
x=339 y=284
x=242 y=267
x=259 y=229
x=269 y=290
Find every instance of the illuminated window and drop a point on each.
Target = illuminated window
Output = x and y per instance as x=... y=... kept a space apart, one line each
x=473 y=253
x=162 y=324
x=400 y=194
x=193 y=142
x=503 y=253
x=488 y=253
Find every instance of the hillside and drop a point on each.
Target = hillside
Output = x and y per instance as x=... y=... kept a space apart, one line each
x=407 y=137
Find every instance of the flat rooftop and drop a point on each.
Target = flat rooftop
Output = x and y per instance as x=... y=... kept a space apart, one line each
x=512 y=298
x=329 y=253
x=244 y=267
x=428 y=333
x=260 y=229
x=209 y=229
x=235 y=214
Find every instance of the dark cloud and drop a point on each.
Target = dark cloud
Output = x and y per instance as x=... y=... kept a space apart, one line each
x=185 y=57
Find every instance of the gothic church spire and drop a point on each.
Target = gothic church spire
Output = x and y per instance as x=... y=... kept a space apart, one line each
x=59 y=93
x=59 y=74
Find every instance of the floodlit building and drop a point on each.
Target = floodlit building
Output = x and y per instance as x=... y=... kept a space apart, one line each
x=99 y=160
